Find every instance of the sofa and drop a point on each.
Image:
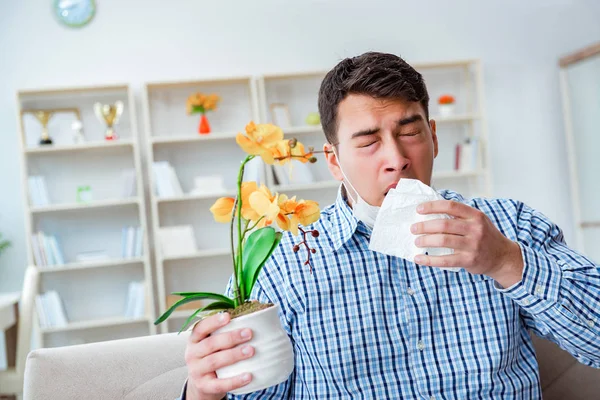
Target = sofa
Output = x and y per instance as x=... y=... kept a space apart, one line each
x=153 y=367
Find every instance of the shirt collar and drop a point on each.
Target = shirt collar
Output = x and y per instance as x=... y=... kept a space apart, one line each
x=343 y=222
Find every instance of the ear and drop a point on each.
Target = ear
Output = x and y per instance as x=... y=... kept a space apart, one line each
x=433 y=128
x=332 y=162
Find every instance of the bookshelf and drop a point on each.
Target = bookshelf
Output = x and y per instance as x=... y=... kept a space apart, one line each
x=205 y=263
x=462 y=79
x=172 y=137
x=81 y=204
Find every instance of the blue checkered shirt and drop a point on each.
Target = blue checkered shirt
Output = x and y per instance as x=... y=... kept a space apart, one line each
x=366 y=325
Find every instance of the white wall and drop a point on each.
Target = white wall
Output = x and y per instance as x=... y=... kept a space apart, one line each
x=134 y=41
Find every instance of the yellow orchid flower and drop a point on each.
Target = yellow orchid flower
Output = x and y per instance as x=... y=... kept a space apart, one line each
x=260 y=140
x=308 y=212
x=222 y=209
x=265 y=204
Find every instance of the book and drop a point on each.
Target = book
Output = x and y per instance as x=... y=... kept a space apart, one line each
x=46 y=250
x=166 y=181
x=177 y=240
x=135 y=306
x=129 y=182
x=38 y=192
x=50 y=310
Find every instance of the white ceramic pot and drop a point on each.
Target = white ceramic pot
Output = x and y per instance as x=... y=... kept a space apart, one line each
x=446 y=110
x=273 y=359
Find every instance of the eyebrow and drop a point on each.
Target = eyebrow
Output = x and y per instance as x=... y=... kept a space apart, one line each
x=401 y=122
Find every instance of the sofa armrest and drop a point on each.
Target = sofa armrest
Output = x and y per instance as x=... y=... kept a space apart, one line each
x=149 y=367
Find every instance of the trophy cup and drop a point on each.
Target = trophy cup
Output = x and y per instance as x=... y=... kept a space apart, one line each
x=44 y=118
x=110 y=114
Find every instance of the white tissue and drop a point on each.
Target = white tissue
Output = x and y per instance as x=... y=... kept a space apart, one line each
x=391 y=233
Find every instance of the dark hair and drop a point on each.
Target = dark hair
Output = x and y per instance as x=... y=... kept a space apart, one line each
x=379 y=75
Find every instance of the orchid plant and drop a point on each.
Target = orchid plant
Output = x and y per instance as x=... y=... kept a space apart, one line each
x=252 y=213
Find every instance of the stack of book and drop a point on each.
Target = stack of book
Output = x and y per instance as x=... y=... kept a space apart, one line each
x=167 y=183
x=46 y=250
x=136 y=300
x=38 y=192
x=50 y=310
x=466 y=156
x=131 y=242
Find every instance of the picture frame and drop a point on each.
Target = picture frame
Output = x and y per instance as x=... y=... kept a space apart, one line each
x=280 y=115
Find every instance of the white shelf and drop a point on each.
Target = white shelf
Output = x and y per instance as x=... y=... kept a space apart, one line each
x=455 y=118
x=97 y=323
x=80 y=147
x=200 y=254
x=191 y=197
x=85 y=206
x=91 y=264
x=213 y=136
x=299 y=130
x=306 y=186
x=457 y=174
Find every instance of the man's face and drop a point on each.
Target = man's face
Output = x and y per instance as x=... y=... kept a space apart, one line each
x=381 y=141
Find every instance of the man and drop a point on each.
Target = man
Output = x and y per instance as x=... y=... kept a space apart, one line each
x=367 y=325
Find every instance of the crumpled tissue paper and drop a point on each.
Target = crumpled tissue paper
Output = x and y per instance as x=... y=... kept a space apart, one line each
x=391 y=233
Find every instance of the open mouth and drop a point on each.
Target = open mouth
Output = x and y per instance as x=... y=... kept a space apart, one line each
x=392 y=186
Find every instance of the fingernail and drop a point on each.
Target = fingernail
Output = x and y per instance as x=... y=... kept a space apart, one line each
x=245 y=334
x=246 y=350
x=418 y=259
x=246 y=378
x=413 y=228
x=417 y=241
x=420 y=208
x=222 y=317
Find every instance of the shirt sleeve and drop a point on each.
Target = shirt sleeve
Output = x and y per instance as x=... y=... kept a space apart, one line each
x=559 y=293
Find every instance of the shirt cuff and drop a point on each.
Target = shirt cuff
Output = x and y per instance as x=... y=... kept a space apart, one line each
x=540 y=285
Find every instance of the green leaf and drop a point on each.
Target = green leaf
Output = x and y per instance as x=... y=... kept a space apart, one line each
x=193 y=297
x=257 y=250
x=217 y=305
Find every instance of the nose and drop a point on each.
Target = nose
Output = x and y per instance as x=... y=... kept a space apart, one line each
x=396 y=161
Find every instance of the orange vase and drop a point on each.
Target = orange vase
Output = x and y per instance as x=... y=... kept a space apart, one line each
x=204 y=126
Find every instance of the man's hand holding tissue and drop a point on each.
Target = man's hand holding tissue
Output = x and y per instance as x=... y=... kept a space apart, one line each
x=479 y=247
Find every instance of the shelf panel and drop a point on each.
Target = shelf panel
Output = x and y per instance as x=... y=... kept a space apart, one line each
x=97 y=323
x=90 y=264
x=79 y=147
x=200 y=254
x=85 y=206
x=457 y=174
x=307 y=186
x=191 y=197
x=213 y=136
x=455 y=118
x=590 y=224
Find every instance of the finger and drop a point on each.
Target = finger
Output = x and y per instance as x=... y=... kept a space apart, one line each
x=453 y=208
x=442 y=240
x=441 y=225
x=223 y=341
x=452 y=260
x=207 y=326
x=224 y=358
x=222 y=386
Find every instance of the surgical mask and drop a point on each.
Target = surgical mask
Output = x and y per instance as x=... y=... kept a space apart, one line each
x=361 y=210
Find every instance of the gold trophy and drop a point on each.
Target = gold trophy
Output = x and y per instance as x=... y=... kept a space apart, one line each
x=110 y=114
x=44 y=117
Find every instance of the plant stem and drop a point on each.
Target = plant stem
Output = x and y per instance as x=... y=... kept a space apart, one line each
x=253 y=226
x=240 y=296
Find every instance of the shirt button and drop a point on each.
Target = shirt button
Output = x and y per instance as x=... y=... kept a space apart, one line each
x=431 y=398
x=590 y=323
x=410 y=291
x=420 y=345
x=539 y=289
x=526 y=302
